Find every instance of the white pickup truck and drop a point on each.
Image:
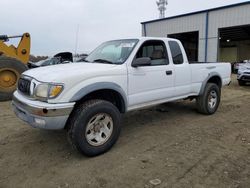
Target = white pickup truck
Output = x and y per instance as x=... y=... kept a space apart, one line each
x=88 y=98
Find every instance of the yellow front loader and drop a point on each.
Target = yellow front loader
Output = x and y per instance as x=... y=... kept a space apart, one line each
x=13 y=62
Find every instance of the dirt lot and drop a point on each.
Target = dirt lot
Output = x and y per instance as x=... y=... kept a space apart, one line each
x=170 y=142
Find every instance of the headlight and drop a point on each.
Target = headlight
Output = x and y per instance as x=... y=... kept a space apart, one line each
x=42 y=90
x=47 y=91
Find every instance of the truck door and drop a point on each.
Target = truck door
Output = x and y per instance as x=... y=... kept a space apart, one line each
x=182 y=80
x=152 y=82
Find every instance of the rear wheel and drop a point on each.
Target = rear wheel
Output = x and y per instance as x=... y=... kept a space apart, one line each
x=209 y=101
x=10 y=72
x=94 y=127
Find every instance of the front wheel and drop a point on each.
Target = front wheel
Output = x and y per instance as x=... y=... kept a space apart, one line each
x=209 y=101
x=241 y=83
x=94 y=127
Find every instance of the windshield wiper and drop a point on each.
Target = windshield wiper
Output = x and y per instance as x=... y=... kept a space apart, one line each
x=103 y=61
x=84 y=60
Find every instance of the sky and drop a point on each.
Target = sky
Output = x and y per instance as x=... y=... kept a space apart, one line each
x=81 y=25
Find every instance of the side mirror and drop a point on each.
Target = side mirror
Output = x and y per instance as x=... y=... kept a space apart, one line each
x=143 y=61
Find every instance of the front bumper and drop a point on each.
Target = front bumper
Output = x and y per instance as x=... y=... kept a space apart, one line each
x=244 y=77
x=40 y=114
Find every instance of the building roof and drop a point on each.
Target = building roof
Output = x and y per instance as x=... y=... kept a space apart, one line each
x=198 y=12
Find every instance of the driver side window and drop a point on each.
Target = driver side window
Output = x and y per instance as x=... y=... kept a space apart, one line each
x=156 y=51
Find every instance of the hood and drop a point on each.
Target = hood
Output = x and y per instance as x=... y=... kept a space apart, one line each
x=244 y=66
x=74 y=71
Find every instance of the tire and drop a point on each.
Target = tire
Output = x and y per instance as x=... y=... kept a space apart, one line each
x=208 y=103
x=241 y=83
x=86 y=124
x=13 y=68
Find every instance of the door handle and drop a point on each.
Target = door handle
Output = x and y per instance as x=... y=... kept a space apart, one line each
x=169 y=72
x=211 y=67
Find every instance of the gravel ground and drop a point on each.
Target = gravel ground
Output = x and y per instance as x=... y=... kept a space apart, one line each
x=170 y=142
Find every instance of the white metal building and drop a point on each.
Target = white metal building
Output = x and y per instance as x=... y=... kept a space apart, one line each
x=219 y=34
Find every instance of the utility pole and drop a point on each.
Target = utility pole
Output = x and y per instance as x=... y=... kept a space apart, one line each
x=76 y=44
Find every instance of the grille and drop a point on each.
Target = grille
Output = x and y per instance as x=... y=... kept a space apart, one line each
x=24 y=86
x=245 y=78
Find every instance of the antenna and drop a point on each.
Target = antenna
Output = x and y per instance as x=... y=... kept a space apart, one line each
x=162 y=7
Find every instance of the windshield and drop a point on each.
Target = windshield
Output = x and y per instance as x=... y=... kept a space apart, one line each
x=113 y=52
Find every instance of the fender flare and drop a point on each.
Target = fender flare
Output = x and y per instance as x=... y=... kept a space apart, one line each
x=204 y=83
x=99 y=86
